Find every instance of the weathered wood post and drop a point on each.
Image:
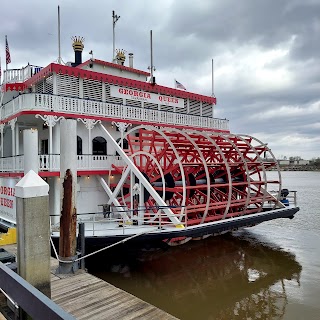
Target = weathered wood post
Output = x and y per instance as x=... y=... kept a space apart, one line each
x=68 y=176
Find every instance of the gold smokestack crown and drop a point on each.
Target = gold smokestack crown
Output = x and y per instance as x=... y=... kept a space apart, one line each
x=77 y=43
x=121 y=56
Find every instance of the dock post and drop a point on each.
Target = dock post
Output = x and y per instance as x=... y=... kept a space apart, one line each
x=33 y=224
x=82 y=241
x=68 y=176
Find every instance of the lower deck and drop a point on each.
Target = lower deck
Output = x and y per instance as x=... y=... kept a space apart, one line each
x=107 y=231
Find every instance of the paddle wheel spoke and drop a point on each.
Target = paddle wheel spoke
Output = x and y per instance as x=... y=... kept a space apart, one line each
x=201 y=177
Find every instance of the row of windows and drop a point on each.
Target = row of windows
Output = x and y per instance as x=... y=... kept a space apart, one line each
x=99 y=146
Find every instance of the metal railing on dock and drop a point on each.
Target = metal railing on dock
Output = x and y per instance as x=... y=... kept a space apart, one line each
x=32 y=301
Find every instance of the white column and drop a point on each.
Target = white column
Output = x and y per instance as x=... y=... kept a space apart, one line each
x=68 y=182
x=68 y=148
x=54 y=182
x=30 y=150
x=89 y=141
x=56 y=139
x=13 y=142
x=54 y=199
x=17 y=138
x=2 y=125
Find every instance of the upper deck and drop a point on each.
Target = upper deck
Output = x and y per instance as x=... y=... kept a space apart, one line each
x=95 y=88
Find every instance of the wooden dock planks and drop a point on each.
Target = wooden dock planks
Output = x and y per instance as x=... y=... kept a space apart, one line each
x=88 y=297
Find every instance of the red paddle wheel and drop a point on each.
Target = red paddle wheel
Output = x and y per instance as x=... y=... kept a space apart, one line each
x=202 y=177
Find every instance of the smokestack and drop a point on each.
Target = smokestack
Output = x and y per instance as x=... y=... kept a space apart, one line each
x=131 y=60
x=78 y=48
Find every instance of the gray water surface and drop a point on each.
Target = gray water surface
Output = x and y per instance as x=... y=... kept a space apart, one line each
x=270 y=271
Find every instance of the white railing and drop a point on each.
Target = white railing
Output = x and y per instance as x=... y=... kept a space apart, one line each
x=20 y=75
x=51 y=162
x=46 y=102
x=12 y=164
x=98 y=162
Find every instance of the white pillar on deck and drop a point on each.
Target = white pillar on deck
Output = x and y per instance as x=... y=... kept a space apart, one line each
x=68 y=150
x=56 y=139
x=17 y=139
x=68 y=182
x=30 y=150
x=13 y=140
x=54 y=182
x=2 y=125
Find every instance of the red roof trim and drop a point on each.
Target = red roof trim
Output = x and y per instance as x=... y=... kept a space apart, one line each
x=115 y=80
x=43 y=73
x=17 y=86
x=114 y=65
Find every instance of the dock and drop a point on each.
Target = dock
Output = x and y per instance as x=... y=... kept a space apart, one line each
x=85 y=296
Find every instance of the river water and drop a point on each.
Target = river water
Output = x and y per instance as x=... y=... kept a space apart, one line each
x=270 y=271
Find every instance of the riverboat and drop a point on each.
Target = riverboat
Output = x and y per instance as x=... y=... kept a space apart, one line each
x=151 y=162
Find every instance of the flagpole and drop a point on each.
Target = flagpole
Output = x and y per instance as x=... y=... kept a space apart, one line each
x=212 y=80
x=59 y=40
x=6 y=54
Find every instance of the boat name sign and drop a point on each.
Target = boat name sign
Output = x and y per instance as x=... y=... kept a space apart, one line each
x=120 y=92
x=7 y=199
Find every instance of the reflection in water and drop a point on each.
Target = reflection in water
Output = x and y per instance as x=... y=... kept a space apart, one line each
x=227 y=277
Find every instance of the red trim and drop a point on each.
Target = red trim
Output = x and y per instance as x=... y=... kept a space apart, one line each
x=57 y=173
x=76 y=116
x=16 y=86
x=113 y=65
x=94 y=172
x=11 y=174
x=43 y=73
x=115 y=80
x=49 y=174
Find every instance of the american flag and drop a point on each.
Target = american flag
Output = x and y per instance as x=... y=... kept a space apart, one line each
x=179 y=85
x=8 y=58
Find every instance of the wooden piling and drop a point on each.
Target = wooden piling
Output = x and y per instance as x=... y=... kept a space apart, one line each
x=68 y=219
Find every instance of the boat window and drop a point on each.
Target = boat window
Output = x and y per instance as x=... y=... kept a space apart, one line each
x=44 y=146
x=99 y=146
x=79 y=145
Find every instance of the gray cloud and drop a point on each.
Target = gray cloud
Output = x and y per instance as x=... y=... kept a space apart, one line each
x=266 y=54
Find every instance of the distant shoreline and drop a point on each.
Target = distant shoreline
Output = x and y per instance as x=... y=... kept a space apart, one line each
x=299 y=168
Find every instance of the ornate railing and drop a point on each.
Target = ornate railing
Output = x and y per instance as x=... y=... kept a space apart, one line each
x=51 y=162
x=19 y=75
x=46 y=102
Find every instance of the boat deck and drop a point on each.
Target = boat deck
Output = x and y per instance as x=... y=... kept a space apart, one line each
x=87 y=297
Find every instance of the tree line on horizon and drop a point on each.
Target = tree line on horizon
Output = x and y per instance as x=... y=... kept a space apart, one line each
x=313 y=162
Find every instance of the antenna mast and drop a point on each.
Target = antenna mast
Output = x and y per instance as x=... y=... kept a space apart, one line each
x=59 y=44
x=151 y=68
x=115 y=18
x=212 y=80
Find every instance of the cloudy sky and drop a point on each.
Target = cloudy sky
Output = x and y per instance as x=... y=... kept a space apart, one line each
x=266 y=54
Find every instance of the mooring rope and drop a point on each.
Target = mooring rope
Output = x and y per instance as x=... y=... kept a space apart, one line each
x=95 y=252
